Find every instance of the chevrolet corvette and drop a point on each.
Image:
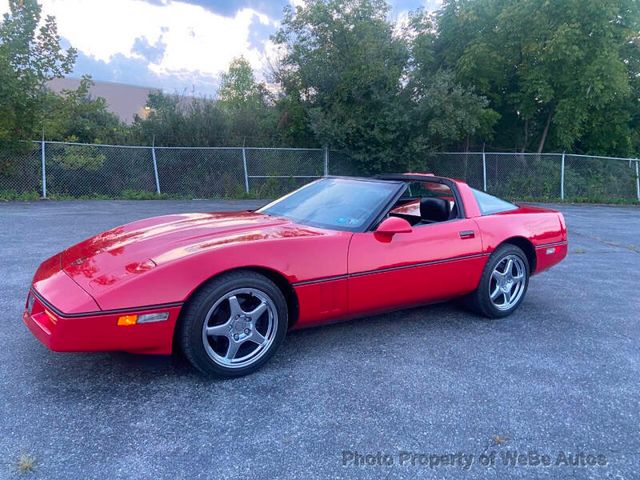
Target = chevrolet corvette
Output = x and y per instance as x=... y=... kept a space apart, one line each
x=224 y=288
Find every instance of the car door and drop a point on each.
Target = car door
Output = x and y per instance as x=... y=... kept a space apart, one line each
x=433 y=262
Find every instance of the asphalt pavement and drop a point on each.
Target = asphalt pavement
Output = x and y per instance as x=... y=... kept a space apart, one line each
x=432 y=392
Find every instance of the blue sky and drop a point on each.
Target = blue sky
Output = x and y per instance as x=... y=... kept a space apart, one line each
x=179 y=46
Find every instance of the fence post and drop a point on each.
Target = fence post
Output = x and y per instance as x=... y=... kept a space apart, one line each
x=155 y=165
x=562 y=178
x=246 y=173
x=484 y=170
x=326 y=161
x=44 y=166
x=637 y=181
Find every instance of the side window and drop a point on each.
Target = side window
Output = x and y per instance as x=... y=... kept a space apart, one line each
x=489 y=204
x=442 y=209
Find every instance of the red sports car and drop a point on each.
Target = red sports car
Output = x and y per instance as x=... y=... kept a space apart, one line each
x=224 y=288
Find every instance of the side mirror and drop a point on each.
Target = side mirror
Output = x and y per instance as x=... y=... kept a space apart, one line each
x=392 y=225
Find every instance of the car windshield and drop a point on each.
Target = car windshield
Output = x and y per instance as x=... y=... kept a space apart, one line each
x=335 y=203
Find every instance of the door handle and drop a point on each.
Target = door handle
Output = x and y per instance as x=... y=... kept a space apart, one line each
x=467 y=234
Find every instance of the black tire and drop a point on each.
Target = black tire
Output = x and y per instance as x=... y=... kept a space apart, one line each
x=206 y=352
x=480 y=300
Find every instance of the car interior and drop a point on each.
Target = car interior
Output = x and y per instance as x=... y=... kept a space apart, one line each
x=425 y=203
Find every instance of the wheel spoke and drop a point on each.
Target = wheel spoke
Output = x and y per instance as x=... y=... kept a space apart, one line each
x=495 y=293
x=234 y=306
x=219 y=330
x=232 y=350
x=507 y=296
x=518 y=278
x=508 y=268
x=497 y=275
x=257 y=337
x=258 y=311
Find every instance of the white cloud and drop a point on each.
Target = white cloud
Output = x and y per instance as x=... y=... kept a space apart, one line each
x=432 y=5
x=195 y=41
x=195 y=38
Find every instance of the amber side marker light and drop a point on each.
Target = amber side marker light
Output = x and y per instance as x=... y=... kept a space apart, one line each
x=128 y=320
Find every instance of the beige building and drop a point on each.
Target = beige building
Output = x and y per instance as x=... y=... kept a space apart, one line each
x=126 y=101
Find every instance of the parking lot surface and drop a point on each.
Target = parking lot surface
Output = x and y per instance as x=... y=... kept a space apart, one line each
x=420 y=391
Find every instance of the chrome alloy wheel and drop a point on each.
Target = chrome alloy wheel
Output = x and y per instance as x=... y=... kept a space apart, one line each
x=507 y=282
x=240 y=327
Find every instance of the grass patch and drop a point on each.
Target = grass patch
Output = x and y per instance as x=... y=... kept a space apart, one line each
x=25 y=463
x=499 y=439
x=266 y=191
x=13 y=196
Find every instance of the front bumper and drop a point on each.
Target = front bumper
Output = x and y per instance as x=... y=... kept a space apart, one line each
x=98 y=331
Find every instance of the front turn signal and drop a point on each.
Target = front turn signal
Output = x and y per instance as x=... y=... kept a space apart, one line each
x=127 y=320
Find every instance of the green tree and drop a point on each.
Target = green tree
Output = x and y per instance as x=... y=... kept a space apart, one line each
x=444 y=112
x=344 y=65
x=553 y=70
x=246 y=104
x=30 y=55
x=362 y=86
x=238 y=85
x=176 y=120
x=76 y=116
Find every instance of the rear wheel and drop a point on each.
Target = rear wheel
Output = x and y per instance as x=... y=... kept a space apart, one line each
x=233 y=324
x=503 y=284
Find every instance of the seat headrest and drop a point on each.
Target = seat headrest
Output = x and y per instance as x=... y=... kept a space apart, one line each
x=434 y=209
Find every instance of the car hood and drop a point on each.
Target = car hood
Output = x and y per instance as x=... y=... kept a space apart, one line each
x=132 y=249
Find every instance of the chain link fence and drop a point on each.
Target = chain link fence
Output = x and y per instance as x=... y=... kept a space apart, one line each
x=544 y=177
x=20 y=170
x=72 y=170
x=91 y=170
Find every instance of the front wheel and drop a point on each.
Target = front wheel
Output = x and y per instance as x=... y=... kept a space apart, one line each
x=503 y=284
x=233 y=324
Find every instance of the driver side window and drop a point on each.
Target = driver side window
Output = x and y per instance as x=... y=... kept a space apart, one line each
x=426 y=202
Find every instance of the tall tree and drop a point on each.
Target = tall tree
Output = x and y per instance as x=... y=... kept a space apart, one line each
x=365 y=86
x=444 y=112
x=30 y=55
x=238 y=85
x=549 y=68
x=245 y=101
x=344 y=65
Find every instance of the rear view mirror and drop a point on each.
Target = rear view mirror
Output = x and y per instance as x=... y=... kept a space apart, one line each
x=392 y=225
